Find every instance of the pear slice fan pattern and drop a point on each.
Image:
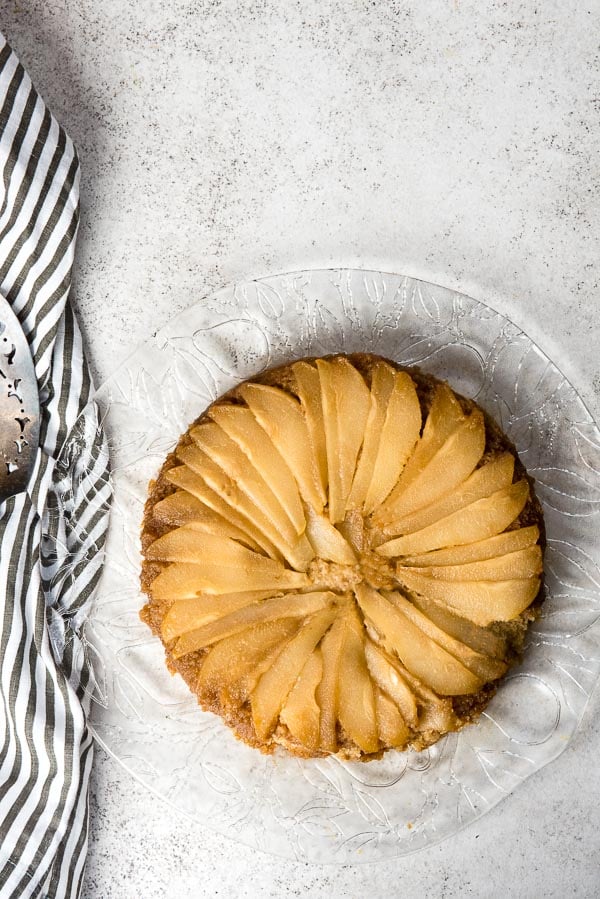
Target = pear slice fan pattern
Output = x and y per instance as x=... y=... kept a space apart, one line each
x=342 y=556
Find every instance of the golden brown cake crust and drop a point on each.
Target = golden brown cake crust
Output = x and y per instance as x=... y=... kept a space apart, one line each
x=466 y=708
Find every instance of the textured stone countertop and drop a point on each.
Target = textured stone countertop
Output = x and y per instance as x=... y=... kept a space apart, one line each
x=452 y=140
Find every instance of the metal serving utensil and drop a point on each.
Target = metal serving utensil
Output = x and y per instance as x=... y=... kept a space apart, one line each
x=19 y=406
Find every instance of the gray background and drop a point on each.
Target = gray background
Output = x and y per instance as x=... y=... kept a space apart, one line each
x=456 y=141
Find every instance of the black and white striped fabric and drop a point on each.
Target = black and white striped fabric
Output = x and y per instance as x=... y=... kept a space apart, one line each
x=51 y=536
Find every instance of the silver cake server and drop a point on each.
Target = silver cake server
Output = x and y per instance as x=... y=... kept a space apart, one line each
x=19 y=406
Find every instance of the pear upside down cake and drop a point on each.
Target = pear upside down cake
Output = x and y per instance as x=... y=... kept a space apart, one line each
x=342 y=556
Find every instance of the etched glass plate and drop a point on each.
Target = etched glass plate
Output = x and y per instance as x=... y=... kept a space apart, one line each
x=329 y=810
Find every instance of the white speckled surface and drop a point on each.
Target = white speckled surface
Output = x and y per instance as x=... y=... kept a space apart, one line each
x=452 y=140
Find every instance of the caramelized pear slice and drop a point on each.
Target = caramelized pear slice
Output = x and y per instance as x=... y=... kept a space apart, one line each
x=482 y=602
x=189 y=614
x=282 y=418
x=242 y=690
x=212 y=440
x=292 y=605
x=276 y=683
x=391 y=726
x=332 y=441
x=508 y=542
x=419 y=653
x=209 y=552
x=353 y=402
x=451 y=465
x=481 y=639
x=444 y=417
x=241 y=426
x=298 y=554
x=382 y=385
x=230 y=663
x=187 y=544
x=301 y=712
x=352 y=529
x=328 y=689
x=177 y=581
x=384 y=671
x=182 y=476
x=308 y=388
x=435 y=712
x=344 y=393
x=484 y=481
x=182 y=580
x=222 y=530
x=484 y=518
x=399 y=434
x=356 y=710
x=181 y=508
x=326 y=540
x=481 y=665
x=512 y=566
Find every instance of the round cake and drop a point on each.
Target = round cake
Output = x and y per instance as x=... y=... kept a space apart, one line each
x=342 y=556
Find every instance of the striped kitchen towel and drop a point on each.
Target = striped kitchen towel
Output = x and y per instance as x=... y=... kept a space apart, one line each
x=51 y=537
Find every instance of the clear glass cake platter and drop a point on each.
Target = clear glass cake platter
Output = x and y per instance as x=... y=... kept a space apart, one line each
x=330 y=811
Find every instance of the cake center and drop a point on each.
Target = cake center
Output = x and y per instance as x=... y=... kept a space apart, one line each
x=370 y=569
x=333 y=576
